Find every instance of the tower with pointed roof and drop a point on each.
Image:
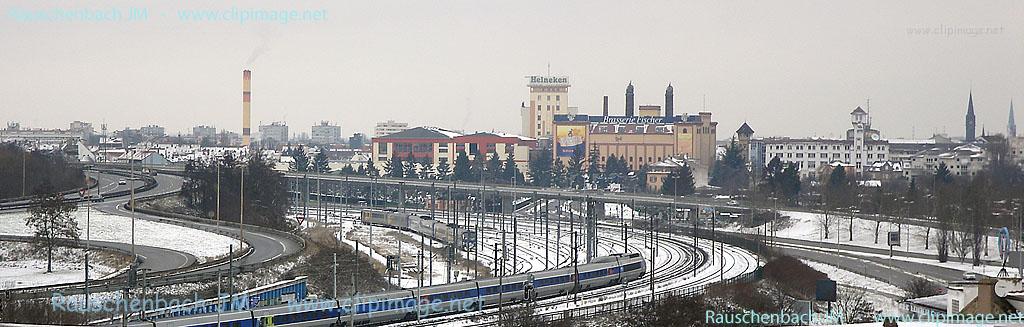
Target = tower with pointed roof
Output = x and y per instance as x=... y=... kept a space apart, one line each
x=1011 y=126
x=970 y=120
x=629 y=100
x=669 y=102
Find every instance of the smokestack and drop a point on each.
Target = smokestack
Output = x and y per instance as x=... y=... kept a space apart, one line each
x=606 y=106
x=669 y=99
x=246 y=99
x=629 y=99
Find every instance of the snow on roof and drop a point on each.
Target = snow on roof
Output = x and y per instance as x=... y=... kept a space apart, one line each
x=911 y=141
x=446 y=132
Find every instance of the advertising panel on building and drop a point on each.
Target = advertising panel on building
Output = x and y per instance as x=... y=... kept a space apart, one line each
x=571 y=140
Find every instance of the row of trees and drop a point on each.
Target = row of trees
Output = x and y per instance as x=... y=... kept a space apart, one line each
x=265 y=190
x=40 y=168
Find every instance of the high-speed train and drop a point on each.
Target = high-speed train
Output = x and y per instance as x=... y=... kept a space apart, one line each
x=394 y=306
x=420 y=224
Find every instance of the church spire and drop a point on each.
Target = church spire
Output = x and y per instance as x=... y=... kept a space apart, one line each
x=970 y=119
x=1011 y=126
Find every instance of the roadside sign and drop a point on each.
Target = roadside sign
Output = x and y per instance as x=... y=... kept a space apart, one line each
x=825 y=290
x=894 y=238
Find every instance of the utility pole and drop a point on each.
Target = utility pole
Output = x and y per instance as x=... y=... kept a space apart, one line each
x=88 y=243
x=217 y=215
x=241 y=209
x=24 y=161
x=131 y=177
x=335 y=293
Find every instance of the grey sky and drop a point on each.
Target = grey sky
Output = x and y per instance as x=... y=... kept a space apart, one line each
x=788 y=67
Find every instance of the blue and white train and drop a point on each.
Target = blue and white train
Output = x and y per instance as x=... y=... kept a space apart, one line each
x=421 y=224
x=403 y=305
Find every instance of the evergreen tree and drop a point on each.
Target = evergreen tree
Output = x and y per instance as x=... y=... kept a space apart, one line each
x=493 y=173
x=540 y=169
x=394 y=167
x=558 y=173
x=679 y=182
x=511 y=171
x=320 y=162
x=641 y=178
x=772 y=175
x=411 y=171
x=574 y=172
x=300 y=162
x=838 y=188
x=594 y=174
x=462 y=169
x=347 y=170
x=370 y=169
x=789 y=182
x=427 y=169
x=730 y=172
x=443 y=169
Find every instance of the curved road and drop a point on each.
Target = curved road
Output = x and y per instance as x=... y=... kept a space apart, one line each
x=265 y=246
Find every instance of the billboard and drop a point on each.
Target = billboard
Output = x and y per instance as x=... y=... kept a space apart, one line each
x=570 y=139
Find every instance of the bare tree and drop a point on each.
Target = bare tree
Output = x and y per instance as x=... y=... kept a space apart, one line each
x=51 y=221
x=853 y=306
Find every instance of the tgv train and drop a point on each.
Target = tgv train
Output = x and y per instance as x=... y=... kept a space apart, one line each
x=430 y=301
x=421 y=224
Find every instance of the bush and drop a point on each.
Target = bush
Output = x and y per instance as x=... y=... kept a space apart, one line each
x=792 y=276
x=921 y=287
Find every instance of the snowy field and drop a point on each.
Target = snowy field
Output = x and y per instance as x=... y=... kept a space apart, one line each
x=809 y=226
x=113 y=228
x=881 y=294
x=23 y=266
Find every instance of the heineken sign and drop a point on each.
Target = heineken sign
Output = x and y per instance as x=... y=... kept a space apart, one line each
x=548 y=80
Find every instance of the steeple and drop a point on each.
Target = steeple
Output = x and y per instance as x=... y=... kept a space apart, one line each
x=969 y=135
x=1011 y=127
x=669 y=102
x=629 y=99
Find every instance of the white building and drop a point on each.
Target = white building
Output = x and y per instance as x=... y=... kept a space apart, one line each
x=389 y=127
x=325 y=133
x=861 y=147
x=273 y=134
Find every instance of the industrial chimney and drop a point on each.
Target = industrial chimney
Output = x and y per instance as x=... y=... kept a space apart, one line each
x=246 y=99
x=606 y=106
x=629 y=100
x=669 y=102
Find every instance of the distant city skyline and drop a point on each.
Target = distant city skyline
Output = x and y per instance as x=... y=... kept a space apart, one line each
x=787 y=68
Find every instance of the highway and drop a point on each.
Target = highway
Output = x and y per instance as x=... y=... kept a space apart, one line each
x=168 y=266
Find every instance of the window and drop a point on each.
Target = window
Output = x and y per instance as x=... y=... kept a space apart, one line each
x=558 y=97
x=382 y=148
x=549 y=98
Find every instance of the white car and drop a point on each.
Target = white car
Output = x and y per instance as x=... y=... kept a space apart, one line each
x=732 y=202
x=122 y=182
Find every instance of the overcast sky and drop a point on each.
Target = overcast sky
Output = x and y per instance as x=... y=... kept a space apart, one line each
x=792 y=68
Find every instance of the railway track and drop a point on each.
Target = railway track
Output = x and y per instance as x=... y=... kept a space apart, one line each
x=679 y=265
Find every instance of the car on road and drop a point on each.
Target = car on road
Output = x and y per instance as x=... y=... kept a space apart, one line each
x=122 y=182
x=732 y=202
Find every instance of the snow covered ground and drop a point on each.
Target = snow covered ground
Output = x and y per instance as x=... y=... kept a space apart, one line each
x=809 y=226
x=113 y=228
x=22 y=266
